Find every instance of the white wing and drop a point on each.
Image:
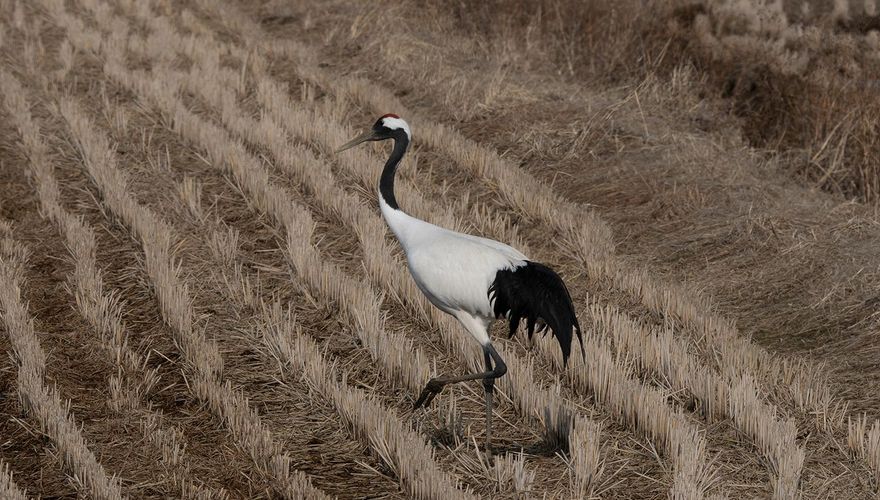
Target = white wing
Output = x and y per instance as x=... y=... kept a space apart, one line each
x=455 y=271
x=507 y=250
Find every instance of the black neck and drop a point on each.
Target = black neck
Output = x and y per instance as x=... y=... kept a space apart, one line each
x=386 y=182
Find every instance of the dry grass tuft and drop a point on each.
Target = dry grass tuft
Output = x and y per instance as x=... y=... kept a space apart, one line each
x=819 y=71
x=191 y=193
x=512 y=476
x=776 y=439
x=586 y=461
x=864 y=443
x=8 y=489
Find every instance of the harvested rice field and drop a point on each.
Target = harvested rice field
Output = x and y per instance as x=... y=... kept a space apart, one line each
x=199 y=297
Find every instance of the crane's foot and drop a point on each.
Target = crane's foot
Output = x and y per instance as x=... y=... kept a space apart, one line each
x=431 y=390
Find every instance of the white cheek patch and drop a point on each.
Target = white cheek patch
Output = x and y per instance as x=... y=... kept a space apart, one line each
x=397 y=123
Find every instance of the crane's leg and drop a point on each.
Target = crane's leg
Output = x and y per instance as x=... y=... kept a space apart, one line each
x=489 y=388
x=435 y=385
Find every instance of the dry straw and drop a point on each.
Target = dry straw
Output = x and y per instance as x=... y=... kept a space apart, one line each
x=512 y=476
x=8 y=489
x=369 y=228
x=41 y=401
x=586 y=236
x=775 y=439
x=406 y=452
x=733 y=395
x=536 y=401
x=865 y=443
x=330 y=281
x=175 y=303
x=131 y=382
x=691 y=476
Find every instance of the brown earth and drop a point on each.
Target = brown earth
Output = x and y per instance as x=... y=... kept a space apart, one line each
x=667 y=166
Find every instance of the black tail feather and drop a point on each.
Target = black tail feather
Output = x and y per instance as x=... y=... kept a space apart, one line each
x=536 y=293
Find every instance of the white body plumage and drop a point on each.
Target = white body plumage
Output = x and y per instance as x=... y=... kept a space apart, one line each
x=453 y=270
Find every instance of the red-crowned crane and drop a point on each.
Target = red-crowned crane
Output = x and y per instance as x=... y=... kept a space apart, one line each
x=476 y=280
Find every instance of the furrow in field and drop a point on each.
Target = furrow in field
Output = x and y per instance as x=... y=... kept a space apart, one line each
x=731 y=396
x=130 y=384
x=176 y=306
x=33 y=459
x=203 y=359
x=42 y=401
x=283 y=406
x=268 y=198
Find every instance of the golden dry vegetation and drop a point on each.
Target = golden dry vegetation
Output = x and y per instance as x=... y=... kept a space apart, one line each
x=199 y=299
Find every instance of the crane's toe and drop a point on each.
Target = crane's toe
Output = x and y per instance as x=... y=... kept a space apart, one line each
x=432 y=388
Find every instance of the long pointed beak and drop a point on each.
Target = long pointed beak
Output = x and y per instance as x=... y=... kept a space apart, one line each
x=366 y=136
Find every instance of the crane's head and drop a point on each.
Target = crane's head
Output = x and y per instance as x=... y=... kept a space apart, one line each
x=389 y=126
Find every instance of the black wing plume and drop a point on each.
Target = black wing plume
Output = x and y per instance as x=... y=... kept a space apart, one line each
x=534 y=292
